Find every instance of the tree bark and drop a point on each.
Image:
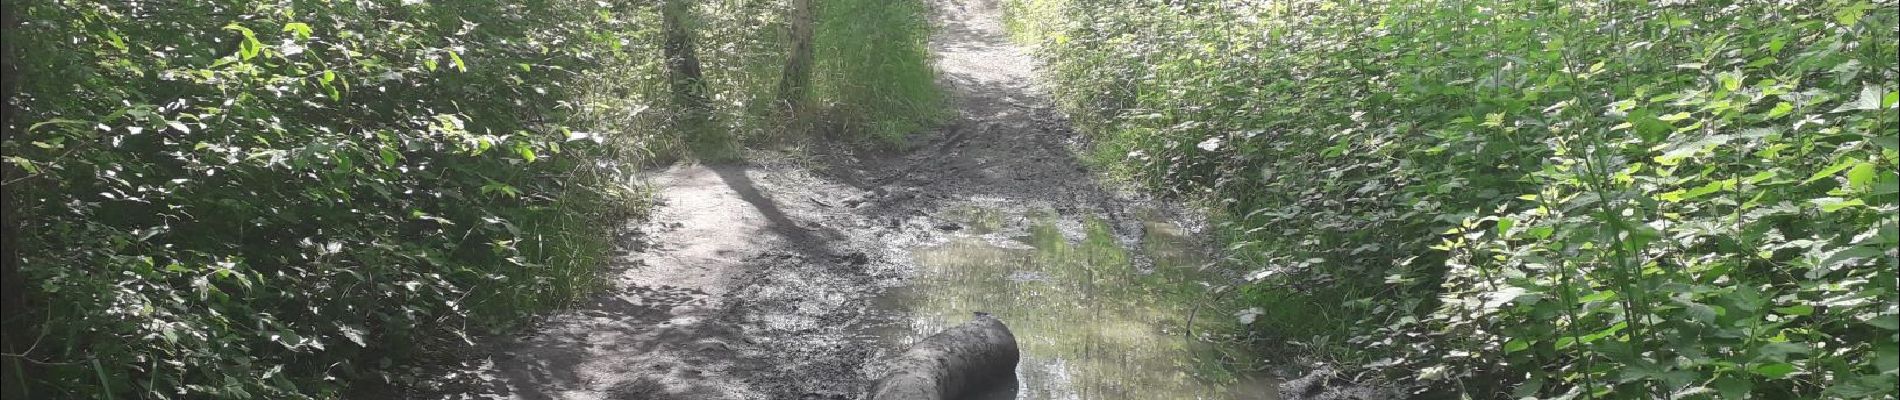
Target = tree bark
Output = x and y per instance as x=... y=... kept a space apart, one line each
x=15 y=372
x=794 y=85
x=978 y=357
x=694 y=114
x=682 y=60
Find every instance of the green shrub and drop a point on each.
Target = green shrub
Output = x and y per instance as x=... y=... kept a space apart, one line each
x=1541 y=199
x=233 y=199
x=236 y=199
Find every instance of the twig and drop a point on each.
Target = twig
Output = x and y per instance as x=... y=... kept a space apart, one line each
x=1188 y=331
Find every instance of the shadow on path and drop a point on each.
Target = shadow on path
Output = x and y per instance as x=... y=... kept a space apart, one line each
x=734 y=176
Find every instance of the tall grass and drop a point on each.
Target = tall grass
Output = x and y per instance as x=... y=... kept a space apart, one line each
x=874 y=78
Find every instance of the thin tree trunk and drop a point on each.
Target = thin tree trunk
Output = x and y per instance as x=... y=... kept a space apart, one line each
x=15 y=372
x=794 y=86
x=682 y=60
x=695 y=117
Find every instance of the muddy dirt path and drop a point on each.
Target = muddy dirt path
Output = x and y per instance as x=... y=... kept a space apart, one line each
x=786 y=277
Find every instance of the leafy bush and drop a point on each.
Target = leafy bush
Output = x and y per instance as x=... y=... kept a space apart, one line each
x=1621 y=199
x=237 y=199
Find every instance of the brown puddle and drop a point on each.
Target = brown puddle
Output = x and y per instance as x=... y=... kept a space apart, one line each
x=1090 y=323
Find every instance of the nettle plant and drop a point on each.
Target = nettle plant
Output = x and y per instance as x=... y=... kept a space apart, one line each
x=236 y=199
x=1606 y=199
x=1712 y=218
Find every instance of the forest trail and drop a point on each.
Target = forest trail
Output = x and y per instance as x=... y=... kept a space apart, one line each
x=787 y=277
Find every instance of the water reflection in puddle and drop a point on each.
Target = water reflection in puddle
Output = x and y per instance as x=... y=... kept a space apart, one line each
x=1091 y=324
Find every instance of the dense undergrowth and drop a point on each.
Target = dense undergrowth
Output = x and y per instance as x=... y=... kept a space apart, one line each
x=1538 y=199
x=872 y=79
x=239 y=199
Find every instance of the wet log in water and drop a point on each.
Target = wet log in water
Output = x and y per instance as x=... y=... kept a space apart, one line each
x=965 y=360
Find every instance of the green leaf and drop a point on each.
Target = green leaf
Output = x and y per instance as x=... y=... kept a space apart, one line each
x=1773 y=370
x=100 y=372
x=1861 y=175
x=526 y=151
x=1598 y=296
x=248 y=47
x=117 y=41
x=457 y=59
x=1824 y=173
x=1528 y=389
x=328 y=87
x=1869 y=98
x=1851 y=14
x=1686 y=149
x=1885 y=321
x=55 y=121
x=1734 y=387
x=1888 y=142
x=1832 y=204
x=300 y=29
x=1493 y=120
x=354 y=334
x=1516 y=345
x=1711 y=187
x=1781 y=109
x=1795 y=310
x=1730 y=80
x=24 y=164
x=1886 y=188
x=1779 y=351
x=498 y=187
x=1702 y=312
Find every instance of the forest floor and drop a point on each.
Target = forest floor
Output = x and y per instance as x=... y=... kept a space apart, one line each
x=786 y=277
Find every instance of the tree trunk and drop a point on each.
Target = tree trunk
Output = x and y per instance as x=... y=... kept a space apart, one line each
x=978 y=357
x=682 y=60
x=693 y=118
x=15 y=330
x=794 y=86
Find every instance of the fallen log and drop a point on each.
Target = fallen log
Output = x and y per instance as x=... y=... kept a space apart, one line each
x=968 y=359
